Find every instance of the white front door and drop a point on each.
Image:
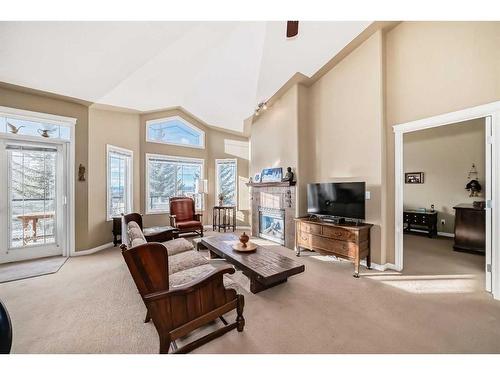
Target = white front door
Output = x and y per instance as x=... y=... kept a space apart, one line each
x=32 y=223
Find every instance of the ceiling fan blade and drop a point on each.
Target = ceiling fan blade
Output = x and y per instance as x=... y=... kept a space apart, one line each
x=292 y=28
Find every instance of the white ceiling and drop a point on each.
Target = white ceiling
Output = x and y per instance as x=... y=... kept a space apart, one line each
x=218 y=71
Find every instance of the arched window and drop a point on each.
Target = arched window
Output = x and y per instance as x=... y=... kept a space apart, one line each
x=175 y=131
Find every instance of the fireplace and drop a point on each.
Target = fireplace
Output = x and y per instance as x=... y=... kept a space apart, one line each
x=272 y=224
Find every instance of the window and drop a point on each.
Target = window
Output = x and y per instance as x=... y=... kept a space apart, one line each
x=175 y=131
x=170 y=176
x=119 y=194
x=225 y=173
x=23 y=123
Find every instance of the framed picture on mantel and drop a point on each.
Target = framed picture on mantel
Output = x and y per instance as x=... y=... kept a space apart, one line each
x=272 y=175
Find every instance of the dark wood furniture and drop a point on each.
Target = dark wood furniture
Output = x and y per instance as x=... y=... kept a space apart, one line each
x=470 y=229
x=5 y=330
x=421 y=220
x=117 y=230
x=345 y=241
x=263 y=267
x=179 y=310
x=152 y=234
x=224 y=217
x=183 y=216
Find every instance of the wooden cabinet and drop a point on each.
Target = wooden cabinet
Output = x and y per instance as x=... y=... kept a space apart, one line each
x=470 y=229
x=350 y=242
x=421 y=220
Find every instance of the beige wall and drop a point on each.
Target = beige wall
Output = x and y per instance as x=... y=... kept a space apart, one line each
x=445 y=155
x=434 y=68
x=46 y=104
x=274 y=135
x=216 y=147
x=96 y=127
x=346 y=110
x=345 y=118
x=321 y=131
x=117 y=129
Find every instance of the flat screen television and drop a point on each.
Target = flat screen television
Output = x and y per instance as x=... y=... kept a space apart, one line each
x=339 y=199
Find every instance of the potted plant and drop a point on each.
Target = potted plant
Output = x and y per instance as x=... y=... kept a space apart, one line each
x=221 y=199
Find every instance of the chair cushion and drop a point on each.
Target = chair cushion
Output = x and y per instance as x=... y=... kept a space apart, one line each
x=134 y=232
x=190 y=274
x=189 y=224
x=185 y=260
x=178 y=245
x=196 y=273
x=137 y=242
x=183 y=209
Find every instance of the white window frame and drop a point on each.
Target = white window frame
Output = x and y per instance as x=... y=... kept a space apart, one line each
x=169 y=157
x=217 y=162
x=69 y=150
x=129 y=199
x=185 y=122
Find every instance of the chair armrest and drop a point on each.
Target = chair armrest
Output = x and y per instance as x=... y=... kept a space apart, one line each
x=189 y=287
x=198 y=216
x=172 y=220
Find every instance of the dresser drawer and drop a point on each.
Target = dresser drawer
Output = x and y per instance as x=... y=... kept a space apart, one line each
x=334 y=246
x=339 y=234
x=304 y=239
x=310 y=228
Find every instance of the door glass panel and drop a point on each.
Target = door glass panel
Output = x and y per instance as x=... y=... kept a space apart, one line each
x=32 y=196
x=117 y=164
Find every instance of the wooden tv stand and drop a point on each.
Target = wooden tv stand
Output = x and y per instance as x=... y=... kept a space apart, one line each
x=348 y=241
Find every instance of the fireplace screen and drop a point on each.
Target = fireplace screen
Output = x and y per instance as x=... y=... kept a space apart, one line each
x=272 y=224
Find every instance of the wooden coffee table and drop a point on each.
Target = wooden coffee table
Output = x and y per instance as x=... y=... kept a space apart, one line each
x=263 y=267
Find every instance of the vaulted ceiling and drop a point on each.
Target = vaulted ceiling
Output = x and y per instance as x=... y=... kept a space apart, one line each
x=218 y=71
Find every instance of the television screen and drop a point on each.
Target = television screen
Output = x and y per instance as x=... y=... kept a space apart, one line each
x=343 y=199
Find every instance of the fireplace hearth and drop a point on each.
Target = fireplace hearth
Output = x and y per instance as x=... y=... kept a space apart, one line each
x=272 y=224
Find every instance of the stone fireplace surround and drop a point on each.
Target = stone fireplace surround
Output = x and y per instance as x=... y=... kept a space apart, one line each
x=276 y=197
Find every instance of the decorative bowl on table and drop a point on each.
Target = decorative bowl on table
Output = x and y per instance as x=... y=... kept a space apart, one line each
x=244 y=244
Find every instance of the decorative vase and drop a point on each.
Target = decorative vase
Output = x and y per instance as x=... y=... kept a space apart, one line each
x=244 y=239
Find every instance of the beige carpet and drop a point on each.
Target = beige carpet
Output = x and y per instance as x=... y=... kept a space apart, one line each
x=91 y=306
x=30 y=268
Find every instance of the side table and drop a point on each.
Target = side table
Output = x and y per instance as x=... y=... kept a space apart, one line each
x=224 y=217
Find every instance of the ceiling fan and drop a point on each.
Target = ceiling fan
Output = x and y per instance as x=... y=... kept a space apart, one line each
x=292 y=28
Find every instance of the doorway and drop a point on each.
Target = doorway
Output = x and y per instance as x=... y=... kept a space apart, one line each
x=491 y=113
x=36 y=188
x=33 y=189
x=443 y=220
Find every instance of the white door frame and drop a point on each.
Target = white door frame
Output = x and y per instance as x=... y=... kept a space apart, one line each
x=487 y=110
x=70 y=123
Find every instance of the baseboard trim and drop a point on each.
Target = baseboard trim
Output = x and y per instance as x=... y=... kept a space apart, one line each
x=93 y=250
x=380 y=267
x=443 y=234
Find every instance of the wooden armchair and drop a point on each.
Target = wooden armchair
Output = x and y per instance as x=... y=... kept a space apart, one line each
x=183 y=216
x=178 y=310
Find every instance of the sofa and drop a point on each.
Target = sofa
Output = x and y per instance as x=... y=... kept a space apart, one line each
x=182 y=290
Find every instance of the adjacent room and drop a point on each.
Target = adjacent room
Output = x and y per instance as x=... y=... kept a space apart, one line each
x=444 y=198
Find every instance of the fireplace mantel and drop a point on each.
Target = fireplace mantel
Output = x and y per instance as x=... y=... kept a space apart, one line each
x=271 y=184
x=275 y=196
